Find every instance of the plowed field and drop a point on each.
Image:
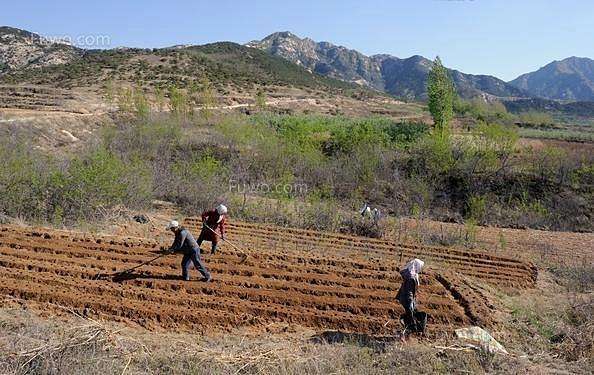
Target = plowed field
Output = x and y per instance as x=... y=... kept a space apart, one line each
x=304 y=278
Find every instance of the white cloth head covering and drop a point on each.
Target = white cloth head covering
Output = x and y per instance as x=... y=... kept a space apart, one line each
x=221 y=209
x=376 y=214
x=365 y=211
x=415 y=267
x=173 y=224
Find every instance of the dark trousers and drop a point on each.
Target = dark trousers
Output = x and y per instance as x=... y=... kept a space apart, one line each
x=409 y=313
x=201 y=239
x=194 y=257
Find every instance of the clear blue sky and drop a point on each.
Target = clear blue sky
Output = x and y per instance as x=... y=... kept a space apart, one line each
x=500 y=37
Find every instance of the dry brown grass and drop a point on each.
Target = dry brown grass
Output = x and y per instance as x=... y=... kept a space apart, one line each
x=75 y=344
x=552 y=322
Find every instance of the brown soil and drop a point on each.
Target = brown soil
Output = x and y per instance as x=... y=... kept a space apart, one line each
x=542 y=247
x=296 y=277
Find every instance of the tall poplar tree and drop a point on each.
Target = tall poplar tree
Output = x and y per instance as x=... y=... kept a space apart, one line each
x=441 y=92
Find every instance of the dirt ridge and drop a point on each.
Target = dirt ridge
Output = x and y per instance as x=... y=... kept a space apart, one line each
x=331 y=286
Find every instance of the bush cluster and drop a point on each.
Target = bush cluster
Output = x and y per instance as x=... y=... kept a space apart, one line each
x=338 y=163
x=40 y=188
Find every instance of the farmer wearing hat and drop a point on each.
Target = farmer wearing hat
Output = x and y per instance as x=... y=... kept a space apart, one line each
x=185 y=243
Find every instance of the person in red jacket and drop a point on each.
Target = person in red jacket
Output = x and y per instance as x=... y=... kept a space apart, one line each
x=211 y=220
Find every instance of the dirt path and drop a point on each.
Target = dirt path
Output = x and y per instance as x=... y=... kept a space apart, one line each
x=53 y=115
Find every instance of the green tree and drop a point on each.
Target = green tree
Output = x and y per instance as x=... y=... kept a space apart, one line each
x=179 y=103
x=440 y=90
x=207 y=98
x=193 y=92
x=142 y=106
x=160 y=99
x=110 y=92
x=260 y=100
x=126 y=100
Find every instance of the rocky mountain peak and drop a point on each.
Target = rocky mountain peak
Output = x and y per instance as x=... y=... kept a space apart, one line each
x=282 y=35
x=568 y=79
x=401 y=77
x=323 y=58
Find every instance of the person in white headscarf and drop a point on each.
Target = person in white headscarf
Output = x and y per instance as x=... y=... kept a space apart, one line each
x=407 y=294
x=211 y=221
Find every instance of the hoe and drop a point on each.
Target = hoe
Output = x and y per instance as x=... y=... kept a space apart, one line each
x=121 y=275
x=243 y=253
x=126 y=273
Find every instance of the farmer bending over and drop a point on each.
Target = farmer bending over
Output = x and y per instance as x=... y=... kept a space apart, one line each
x=211 y=220
x=407 y=294
x=185 y=243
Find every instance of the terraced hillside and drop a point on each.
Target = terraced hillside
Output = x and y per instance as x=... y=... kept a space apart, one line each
x=301 y=278
x=34 y=98
x=47 y=99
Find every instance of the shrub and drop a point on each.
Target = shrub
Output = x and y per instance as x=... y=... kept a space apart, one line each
x=125 y=100
x=260 y=100
x=362 y=227
x=141 y=105
x=578 y=278
x=483 y=111
x=195 y=182
x=101 y=180
x=406 y=133
x=207 y=99
x=110 y=92
x=398 y=167
x=537 y=119
x=477 y=208
x=39 y=188
x=23 y=179
x=546 y=163
x=359 y=134
x=160 y=99
x=179 y=103
x=432 y=156
x=319 y=215
x=490 y=149
x=363 y=159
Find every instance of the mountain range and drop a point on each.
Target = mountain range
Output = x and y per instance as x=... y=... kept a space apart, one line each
x=281 y=58
x=27 y=58
x=405 y=78
x=569 y=79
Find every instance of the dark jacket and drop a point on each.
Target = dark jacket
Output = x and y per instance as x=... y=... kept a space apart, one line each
x=408 y=289
x=184 y=241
